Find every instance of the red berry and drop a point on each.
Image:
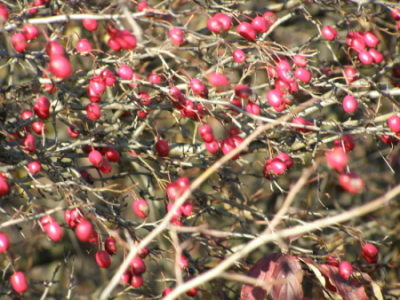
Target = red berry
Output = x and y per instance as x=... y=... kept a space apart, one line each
x=351 y=182
x=60 y=67
x=166 y=292
x=38 y=127
x=253 y=108
x=239 y=56
x=112 y=155
x=285 y=158
x=137 y=281
x=348 y=142
x=26 y=114
x=187 y=209
x=301 y=121
x=19 y=42
x=138 y=266
x=332 y=261
x=125 y=72
x=227 y=146
x=225 y=20
x=370 y=253
x=329 y=33
x=72 y=217
x=4 y=187
x=371 y=39
x=377 y=57
x=143 y=253
x=260 y=24
x=183 y=262
x=162 y=148
x=89 y=24
x=394 y=123
x=275 y=98
x=217 y=79
x=73 y=132
x=93 y=111
x=141 y=208
x=29 y=143
x=246 y=31
x=365 y=57
x=108 y=77
x=126 y=277
x=337 y=159
x=198 y=88
x=34 y=167
x=270 y=17
x=349 y=104
x=4 y=243
x=350 y=74
x=30 y=32
x=109 y=245
x=300 y=60
x=103 y=259
x=390 y=140
x=177 y=37
x=303 y=75
x=83 y=46
x=192 y=292
x=345 y=269
x=18 y=282
x=54 y=49
x=96 y=158
x=212 y=147
x=3 y=13
x=214 y=25
x=83 y=230
x=42 y=107
x=52 y=228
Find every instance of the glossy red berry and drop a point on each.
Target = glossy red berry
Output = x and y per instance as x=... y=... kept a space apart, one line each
x=300 y=60
x=377 y=57
x=329 y=33
x=34 y=167
x=365 y=57
x=93 y=111
x=125 y=72
x=54 y=49
x=183 y=262
x=348 y=142
x=337 y=159
x=42 y=107
x=192 y=292
x=349 y=104
x=143 y=253
x=350 y=74
x=345 y=269
x=225 y=20
x=162 y=148
x=83 y=230
x=239 y=56
x=83 y=46
x=19 y=42
x=177 y=37
x=103 y=259
x=370 y=253
x=246 y=31
x=394 y=123
x=214 y=25
x=371 y=39
x=109 y=245
x=137 y=281
x=30 y=32
x=270 y=17
x=303 y=75
x=19 y=282
x=29 y=143
x=351 y=182
x=217 y=79
x=260 y=24
x=4 y=243
x=138 y=266
x=60 y=67
x=141 y=208
x=126 y=278
x=89 y=24
x=212 y=147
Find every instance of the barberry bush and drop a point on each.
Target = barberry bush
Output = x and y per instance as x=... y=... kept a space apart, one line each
x=206 y=149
